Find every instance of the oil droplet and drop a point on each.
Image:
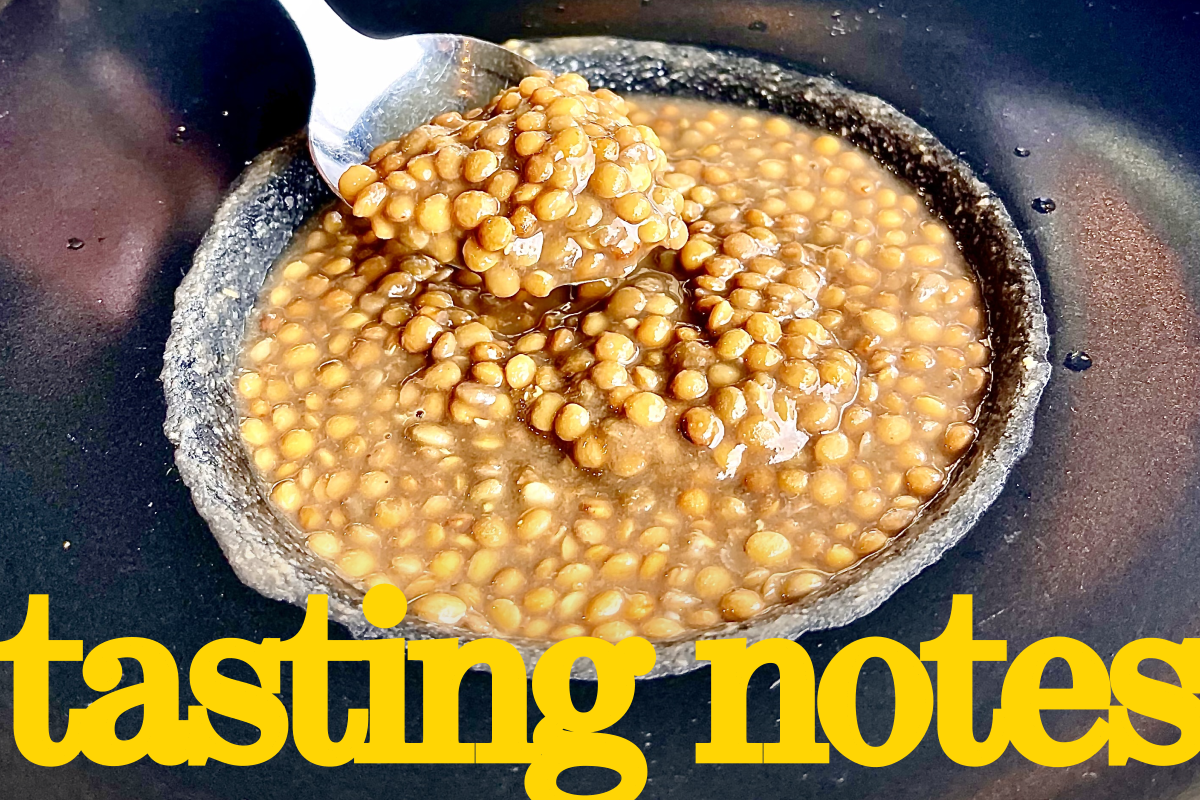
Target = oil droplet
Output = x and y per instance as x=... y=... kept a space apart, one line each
x=1043 y=205
x=1077 y=361
x=74 y=244
x=1021 y=152
x=758 y=26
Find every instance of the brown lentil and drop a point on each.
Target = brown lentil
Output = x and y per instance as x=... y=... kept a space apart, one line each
x=773 y=393
x=548 y=184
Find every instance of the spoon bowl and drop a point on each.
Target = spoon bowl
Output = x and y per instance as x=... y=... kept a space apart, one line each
x=371 y=90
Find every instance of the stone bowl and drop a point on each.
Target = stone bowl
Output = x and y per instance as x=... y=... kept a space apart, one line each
x=281 y=189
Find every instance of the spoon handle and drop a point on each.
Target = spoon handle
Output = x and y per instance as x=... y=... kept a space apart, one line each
x=330 y=41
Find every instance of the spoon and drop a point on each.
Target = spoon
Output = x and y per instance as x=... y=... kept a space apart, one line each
x=371 y=90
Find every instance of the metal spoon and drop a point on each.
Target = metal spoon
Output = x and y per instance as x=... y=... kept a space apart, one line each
x=371 y=90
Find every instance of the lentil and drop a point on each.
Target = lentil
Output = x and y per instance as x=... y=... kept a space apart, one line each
x=635 y=426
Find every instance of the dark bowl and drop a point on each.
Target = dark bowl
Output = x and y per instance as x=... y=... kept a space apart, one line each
x=281 y=189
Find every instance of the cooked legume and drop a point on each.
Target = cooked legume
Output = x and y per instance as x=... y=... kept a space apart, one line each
x=549 y=184
x=790 y=372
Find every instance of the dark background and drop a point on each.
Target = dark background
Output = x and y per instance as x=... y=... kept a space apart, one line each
x=122 y=123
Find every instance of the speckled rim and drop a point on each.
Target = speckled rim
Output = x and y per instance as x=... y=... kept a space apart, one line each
x=280 y=189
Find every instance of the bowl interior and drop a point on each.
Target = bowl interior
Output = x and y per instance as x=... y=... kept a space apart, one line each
x=281 y=189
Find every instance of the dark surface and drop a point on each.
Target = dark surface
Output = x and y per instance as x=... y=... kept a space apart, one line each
x=1092 y=538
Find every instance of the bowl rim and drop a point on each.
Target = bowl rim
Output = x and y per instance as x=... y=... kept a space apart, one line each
x=195 y=378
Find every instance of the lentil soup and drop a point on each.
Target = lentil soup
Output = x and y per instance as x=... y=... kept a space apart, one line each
x=698 y=426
